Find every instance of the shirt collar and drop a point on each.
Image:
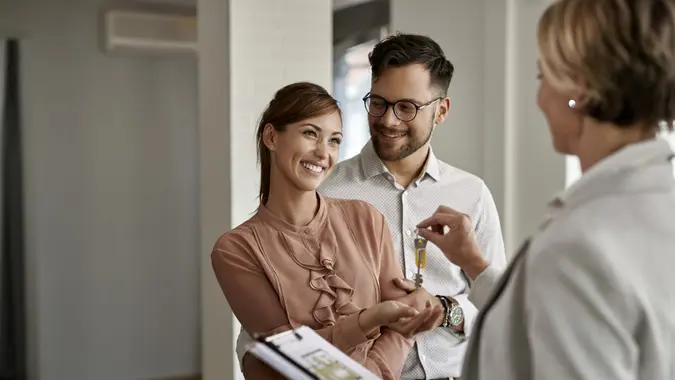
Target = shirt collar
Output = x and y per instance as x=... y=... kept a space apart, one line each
x=630 y=157
x=371 y=165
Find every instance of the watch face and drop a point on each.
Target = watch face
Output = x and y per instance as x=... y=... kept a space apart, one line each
x=456 y=316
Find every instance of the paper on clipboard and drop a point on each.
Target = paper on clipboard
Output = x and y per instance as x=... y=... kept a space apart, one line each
x=303 y=354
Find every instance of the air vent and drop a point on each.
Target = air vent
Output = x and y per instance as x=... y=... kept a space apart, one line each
x=145 y=32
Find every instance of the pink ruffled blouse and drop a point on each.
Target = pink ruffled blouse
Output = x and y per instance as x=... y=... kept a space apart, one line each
x=277 y=276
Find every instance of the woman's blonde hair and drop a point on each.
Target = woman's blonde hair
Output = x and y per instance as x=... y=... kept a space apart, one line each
x=619 y=54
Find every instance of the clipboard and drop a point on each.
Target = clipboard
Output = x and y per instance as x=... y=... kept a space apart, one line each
x=302 y=354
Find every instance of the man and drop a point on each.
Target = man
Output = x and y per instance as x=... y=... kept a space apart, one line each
x=398 y=173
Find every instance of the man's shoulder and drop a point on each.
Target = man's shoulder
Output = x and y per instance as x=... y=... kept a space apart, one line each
x=348 y=167
x=459 y=181
x=452 y=174
x=345 y=176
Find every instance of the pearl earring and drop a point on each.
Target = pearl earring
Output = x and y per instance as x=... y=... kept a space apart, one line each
x=572 y=103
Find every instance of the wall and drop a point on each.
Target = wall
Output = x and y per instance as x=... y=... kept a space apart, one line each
x=458 y=28
x=495 y=129
x=537 y=172
x=111 y=193
x=245 y=56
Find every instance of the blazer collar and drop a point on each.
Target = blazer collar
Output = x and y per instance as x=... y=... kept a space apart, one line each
x=610 y=174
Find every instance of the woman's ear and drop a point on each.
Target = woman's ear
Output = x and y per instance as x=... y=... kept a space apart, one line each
x=269 y=137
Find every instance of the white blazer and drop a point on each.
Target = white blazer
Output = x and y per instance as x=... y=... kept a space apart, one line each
x=593 y=295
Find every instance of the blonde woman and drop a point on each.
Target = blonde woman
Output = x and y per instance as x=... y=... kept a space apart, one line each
x=592 y=296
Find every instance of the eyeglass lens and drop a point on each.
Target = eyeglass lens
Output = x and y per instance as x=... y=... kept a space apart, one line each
x=403 y=109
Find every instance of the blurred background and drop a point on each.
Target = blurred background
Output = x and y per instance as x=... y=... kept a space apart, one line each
x=128 y=148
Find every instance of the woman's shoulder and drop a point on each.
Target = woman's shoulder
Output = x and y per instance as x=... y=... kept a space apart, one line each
x=355 y=210
x=239 y=240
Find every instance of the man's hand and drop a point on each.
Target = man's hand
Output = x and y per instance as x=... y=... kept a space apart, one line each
x=452 y=232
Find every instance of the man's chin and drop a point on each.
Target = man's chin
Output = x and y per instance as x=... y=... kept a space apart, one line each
x=387 y=153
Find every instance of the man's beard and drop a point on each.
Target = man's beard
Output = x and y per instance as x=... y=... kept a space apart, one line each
x=411 y=146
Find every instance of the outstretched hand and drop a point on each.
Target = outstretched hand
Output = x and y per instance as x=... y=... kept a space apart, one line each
x=423 y=321
x=397 y=316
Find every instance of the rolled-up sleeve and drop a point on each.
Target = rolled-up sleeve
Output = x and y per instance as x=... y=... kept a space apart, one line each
x=482 y=286
x=489 y=233
x=491 y=243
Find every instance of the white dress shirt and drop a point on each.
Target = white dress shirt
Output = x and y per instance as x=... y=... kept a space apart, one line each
x=593 y=295
x=438 y=353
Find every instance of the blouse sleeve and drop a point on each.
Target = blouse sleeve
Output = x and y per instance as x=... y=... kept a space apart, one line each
x=255 y=302
x=389 y=352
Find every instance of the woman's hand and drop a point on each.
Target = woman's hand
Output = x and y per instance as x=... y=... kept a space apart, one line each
x=425 y=320
x=383 y=314
x=404 y=319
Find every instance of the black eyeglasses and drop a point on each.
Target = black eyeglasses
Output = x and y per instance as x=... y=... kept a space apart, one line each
x=405 y=110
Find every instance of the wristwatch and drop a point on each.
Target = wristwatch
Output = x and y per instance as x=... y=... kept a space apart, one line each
x=454 y=315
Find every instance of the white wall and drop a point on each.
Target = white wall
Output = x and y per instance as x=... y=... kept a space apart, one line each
x=111 y=201
x=458 y=27
x=246 y=54
x=495 y=129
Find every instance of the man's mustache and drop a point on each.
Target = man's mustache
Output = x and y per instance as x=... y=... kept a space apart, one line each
x=381 y=128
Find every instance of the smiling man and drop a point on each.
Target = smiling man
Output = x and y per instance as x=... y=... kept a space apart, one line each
x=399 y=174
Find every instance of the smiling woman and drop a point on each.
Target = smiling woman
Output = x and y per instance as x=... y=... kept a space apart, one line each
x=306 y=260
x=306 y=109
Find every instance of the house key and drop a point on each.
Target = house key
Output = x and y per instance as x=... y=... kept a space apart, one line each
x=420 y=259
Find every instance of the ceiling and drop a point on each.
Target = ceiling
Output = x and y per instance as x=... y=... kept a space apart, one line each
x=339 y=4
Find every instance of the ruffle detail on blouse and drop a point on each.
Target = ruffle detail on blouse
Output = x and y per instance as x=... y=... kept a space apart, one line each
x=334 y=291
x=317 y=254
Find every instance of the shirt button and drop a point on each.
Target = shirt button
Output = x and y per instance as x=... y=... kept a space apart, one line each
x=408 y=232
x=308 y=231
x=423 y=358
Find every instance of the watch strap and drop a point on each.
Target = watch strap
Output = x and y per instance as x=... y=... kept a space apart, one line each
x=447 y=308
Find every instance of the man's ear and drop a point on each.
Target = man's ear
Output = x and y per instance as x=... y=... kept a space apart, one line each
x=443 y=110
x=269 y=137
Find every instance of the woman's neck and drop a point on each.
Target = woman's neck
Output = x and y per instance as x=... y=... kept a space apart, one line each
x=599 y=141
x=291 y=205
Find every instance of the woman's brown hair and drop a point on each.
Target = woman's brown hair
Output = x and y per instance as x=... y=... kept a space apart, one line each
x=291 y=104
x=619 y=54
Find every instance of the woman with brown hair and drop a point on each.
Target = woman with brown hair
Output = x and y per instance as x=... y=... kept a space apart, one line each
x=303 y=259
x=592 y=296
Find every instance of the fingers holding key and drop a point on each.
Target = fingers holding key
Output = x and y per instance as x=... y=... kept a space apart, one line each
x=452 y=232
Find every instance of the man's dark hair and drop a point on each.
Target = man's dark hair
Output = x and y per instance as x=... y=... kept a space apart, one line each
x=408 y=49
